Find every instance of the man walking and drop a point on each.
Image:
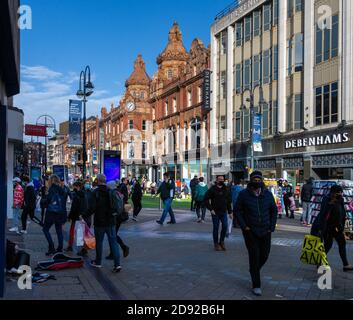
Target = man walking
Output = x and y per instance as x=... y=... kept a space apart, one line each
x=29 y=204
x=306 y=195
x=18 y=199
x=218 y=201
x=167 y=192
x=104 y=223
x=193 y=183
x=201 y=190
x=257 y=216
x=136 y=198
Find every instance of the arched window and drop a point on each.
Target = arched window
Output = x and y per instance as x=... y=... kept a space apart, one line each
x=195 y=133
x=171 y=140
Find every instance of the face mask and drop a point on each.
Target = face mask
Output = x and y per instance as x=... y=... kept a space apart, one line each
x=256 y=185
x=221 y=184
x=87 y=186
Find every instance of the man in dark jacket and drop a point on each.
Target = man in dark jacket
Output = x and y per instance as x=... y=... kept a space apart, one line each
x=219 y=201
x=257 y=216
x=193 y=183
x=29 y=205
x=306 y=195
x=123 y=189
x=330 y=224
x=287 y=195
x=136 y=198
x=104 y=223
x=167 y=192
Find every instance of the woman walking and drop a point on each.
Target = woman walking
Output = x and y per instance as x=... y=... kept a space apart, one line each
x=56 y=214
x=136 y=198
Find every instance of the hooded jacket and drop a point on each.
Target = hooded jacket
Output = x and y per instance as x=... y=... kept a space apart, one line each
x=100 y=207
x=200 y=193
x=259 y=213
x=30 y=197
x=18 y=197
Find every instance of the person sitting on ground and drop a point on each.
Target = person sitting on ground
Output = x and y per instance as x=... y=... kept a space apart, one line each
x=330 y=224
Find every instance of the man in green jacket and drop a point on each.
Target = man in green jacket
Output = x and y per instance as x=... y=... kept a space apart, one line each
x=167 y=192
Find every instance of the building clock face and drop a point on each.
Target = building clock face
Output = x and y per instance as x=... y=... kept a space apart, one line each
x=130 y=106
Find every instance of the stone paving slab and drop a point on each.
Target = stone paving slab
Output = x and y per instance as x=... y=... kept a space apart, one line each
x=177 y=262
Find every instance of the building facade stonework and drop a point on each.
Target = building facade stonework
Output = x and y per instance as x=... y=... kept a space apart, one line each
x=300 y=63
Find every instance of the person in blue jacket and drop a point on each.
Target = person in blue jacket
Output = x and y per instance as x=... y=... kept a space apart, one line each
x=256 y=212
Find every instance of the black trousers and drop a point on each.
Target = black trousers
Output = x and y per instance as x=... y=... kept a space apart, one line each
x=341 y=241
x=137 y=206
x=25 y=213
x=259 y=251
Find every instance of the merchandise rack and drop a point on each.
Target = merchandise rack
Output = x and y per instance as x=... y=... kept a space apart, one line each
x=322 y=188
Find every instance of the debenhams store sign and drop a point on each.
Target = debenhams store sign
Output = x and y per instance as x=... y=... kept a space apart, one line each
x=318 y=141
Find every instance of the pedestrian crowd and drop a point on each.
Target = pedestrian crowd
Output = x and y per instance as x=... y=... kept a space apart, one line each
x=252 y=208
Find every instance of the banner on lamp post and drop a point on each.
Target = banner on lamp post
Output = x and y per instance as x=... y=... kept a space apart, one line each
x=75 y=123
x=257 y=137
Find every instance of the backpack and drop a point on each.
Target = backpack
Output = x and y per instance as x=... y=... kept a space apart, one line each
x=55 y=204
x=116 y=202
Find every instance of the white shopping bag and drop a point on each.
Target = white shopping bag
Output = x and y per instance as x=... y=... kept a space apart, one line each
x=79 y=233
x=230 y=227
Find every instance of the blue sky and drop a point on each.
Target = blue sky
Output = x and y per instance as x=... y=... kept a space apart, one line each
x=106 y=34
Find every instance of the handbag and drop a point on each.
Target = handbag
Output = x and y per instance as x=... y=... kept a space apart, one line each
x=313 y=251
x=293 y=206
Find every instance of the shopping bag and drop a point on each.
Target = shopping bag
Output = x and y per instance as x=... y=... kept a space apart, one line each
x=313 y=252
x=79 y=233
x=293 y=206
x=230 y=227
x=89 y=238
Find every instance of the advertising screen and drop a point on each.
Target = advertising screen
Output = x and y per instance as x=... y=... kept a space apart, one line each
x=112 y=163
x=36 y=175
x=61 y=172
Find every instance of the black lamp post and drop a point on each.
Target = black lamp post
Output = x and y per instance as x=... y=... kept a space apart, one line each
x=84 y=91
x=252 y=114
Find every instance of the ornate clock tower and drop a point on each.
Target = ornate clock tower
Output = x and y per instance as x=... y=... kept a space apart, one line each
x=136 y=115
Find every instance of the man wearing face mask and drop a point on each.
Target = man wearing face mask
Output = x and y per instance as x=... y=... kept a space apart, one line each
x=219 y=201
x=330 y=224
x=257 y=212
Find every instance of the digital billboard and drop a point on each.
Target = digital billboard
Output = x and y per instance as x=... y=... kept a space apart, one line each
x=111 y=165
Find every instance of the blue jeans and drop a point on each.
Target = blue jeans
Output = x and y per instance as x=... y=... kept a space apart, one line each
x=168 y=209
x=56 y=219
x=99 y=233
x=217 y=219
x=16 y=217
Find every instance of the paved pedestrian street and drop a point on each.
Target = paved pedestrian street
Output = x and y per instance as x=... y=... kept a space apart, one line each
x=178 y=262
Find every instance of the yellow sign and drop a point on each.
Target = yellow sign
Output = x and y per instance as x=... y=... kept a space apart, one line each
x=313 y=252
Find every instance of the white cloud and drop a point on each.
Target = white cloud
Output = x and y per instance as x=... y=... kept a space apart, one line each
x=49 y=93
x=39 y=73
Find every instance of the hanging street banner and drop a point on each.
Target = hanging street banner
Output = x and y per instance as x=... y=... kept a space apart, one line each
x=257 y=138
x=75 y=123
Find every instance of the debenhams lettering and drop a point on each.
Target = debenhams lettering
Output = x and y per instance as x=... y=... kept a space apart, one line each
x=318 y=141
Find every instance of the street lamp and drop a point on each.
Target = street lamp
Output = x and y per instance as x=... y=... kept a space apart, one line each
x=243 y=107
x=46 y=117
x=85 y=90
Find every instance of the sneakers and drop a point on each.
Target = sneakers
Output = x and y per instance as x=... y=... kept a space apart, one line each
x=117 y=269
x=257 y=292
x=348 y=268
x=199 y=220
x=134 y=219
x=126 y=251
x=14 y=229
x=22 y=232
x=95 y=265
x=160 y=222
x=170 y=222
